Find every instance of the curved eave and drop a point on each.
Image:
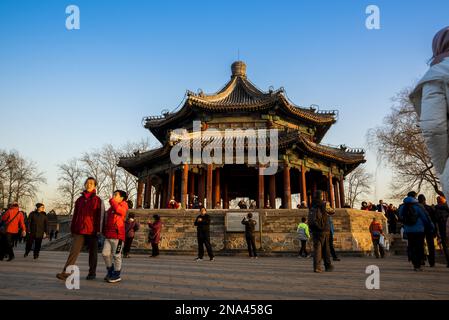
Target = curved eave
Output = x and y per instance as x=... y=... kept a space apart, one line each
x=325 y=152
x=134 y=164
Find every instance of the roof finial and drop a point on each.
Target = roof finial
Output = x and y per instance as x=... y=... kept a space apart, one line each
x=238 y=69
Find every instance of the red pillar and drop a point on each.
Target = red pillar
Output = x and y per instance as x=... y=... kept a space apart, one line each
x=217 y=197
x=184 y=185
x=201 y=184
x=139 y=194
x=225 y=195
x=273 y=191
x=148 y=193
x=342 y=191
x=331 y=191
x=303 y=185
x=191 y=187
x=337 y=195
x=209 y=187
x=287 y=194
x=261 y=201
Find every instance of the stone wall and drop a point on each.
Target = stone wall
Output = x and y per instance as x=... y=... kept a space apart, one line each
x=277 y=233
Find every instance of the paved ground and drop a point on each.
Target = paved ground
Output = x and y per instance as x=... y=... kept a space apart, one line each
x=179 y=277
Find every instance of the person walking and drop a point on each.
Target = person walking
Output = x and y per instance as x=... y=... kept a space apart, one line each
x=250 y=227
x=38 y=230
x=114 y=234
x=429 y=235
x=376 y=231
x=431 y=101
x=85 y=228
x=56 y=234
x=442 y=214
x=154 y=236
x=392 y=219
x=52 y=234
x=12 y=221
x=131 y=227
x=319 y=226
x=303 y=236
x=331 y=240
x=415 y=221
x=202 y=223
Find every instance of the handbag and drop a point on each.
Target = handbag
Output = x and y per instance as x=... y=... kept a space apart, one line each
x=382 y=241
x=5 y=225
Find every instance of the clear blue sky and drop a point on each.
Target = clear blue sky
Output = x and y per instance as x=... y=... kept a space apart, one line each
x=65 y=92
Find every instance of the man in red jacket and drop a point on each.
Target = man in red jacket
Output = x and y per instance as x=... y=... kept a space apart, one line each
x=85 y=227
x=114 y=233
x=12 y=220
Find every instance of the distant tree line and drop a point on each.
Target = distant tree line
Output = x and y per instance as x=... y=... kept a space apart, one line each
x=19 y=178
x=102 y=165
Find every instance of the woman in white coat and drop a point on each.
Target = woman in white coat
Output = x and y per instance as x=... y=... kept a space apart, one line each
x=431 y=101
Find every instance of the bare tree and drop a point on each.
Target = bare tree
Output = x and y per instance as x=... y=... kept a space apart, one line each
x=70 y=182
x=19 y=178
x=399 y=142
x=93 y=167
x=358 y=184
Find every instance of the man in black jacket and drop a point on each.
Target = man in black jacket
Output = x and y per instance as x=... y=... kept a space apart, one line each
x=430 y=235
x=442 y=214
x=38 y=230
x=250 y=226
x=202 y=223
x=320 y=228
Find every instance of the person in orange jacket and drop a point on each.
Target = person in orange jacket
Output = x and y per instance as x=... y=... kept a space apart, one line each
x=12 y=220
x=376 y=231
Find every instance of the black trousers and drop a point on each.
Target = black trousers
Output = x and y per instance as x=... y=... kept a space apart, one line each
x=416 y=247
x=37 y=245
x=3 y=246
x=251 y=243
x=321 y=250
x=127 y=245
x=154 y=249
x=431 y=247
x=204 y=240
x=303 y=250
x=331 y=246
x=392 y=227
x=7 y=244
x=378 y=248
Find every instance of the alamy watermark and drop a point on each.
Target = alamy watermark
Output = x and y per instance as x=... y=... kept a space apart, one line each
x=372 y=22
x=73 y=280
x=72 y=22
x=373 y=280
x=188 y=147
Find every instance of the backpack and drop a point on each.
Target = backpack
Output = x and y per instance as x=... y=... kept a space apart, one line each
x=316 y=219
x=409 y=215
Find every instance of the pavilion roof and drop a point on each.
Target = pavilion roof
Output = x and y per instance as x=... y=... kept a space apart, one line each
x=240 y=94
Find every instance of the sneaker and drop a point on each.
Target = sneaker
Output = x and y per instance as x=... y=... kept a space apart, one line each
x=109 y=273
x=256 y=257
x=35 y=257
x=63 y=275
x=329 y=269
x=115 y=277
x=10 y=258
x=336 y=259
x=91 y=277
x=212 y=259
x=418 y=269
x=198 y=259
x=317 y=270
x=25 y=255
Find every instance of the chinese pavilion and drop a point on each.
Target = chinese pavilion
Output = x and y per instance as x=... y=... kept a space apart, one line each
x=304 y=164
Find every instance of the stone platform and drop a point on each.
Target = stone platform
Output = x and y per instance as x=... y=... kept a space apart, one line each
x=180 y=277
